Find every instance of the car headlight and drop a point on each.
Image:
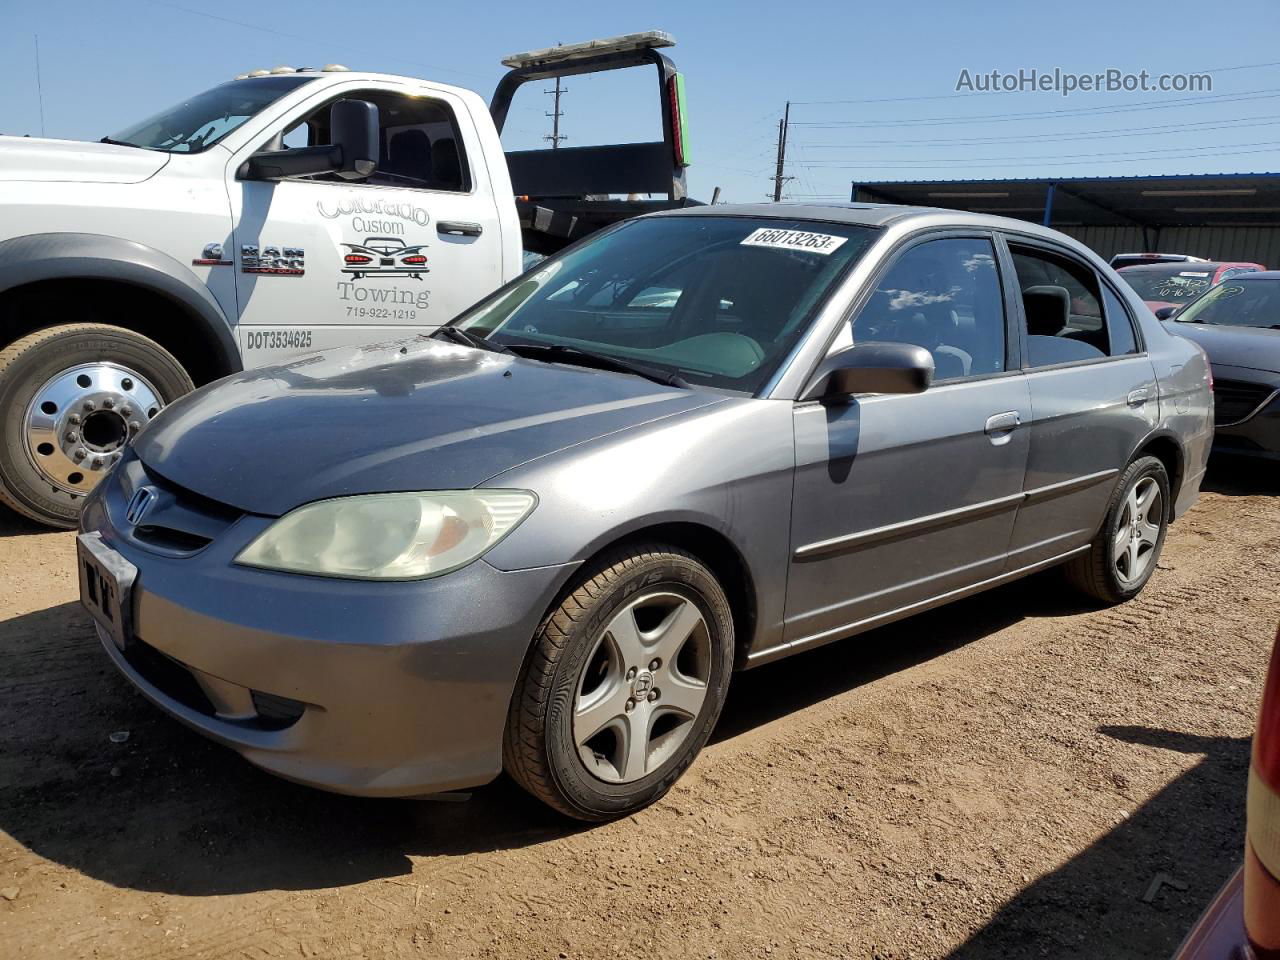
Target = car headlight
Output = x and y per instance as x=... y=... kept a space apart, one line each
x=389 y=536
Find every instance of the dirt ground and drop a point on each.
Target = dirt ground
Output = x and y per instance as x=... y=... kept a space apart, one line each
x=1003 y=778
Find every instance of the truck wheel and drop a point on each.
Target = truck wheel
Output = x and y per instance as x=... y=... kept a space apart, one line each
x=71 y=397
x=625 y=680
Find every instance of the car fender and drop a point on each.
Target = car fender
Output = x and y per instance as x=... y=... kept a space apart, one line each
x=53 y=256
x=727 y=468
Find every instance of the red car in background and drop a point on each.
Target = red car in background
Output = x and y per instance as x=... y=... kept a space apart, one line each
x=1174 y=284
x=1243 y=922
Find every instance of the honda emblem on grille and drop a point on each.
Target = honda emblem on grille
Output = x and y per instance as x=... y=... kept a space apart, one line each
x=139 y=504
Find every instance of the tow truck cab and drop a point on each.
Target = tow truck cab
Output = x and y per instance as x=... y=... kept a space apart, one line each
x=283 y=212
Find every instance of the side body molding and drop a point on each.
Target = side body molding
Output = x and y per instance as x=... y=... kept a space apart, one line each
x=52 y=256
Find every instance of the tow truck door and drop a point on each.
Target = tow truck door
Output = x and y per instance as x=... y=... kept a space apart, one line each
x=322 y=262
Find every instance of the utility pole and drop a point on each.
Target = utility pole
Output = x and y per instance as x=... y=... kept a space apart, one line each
x=778 y=178
x=555 y=115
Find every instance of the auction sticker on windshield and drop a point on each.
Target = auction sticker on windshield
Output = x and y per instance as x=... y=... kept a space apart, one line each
x=823 y=243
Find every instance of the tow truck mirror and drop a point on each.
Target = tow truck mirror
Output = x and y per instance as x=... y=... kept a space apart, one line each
x=352 y=152
x=871 y=368
x=354 y=128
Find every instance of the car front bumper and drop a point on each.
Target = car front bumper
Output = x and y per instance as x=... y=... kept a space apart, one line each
x=365 y=688
x=1258 y=434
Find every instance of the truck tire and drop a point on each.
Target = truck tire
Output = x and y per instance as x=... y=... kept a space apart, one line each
x=623 y=684
x=71 y=398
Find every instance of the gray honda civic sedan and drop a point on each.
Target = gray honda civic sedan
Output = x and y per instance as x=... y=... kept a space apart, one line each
x=542 y=539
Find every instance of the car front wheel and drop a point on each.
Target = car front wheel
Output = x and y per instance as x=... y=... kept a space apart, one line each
x=623 y=684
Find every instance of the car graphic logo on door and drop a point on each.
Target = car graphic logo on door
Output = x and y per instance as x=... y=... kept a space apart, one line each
x=384 y=257
x=140 y=504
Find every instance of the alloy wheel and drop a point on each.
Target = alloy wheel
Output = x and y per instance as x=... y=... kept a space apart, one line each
x=642 y=687
x=1136 y=537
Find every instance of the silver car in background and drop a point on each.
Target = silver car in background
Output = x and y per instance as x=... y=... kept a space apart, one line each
x=543 y=539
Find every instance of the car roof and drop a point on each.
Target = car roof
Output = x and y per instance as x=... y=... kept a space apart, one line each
x=861 y=214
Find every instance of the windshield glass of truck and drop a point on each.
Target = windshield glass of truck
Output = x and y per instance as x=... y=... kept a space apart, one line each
x=206 y=118
x=718 y=301
x=1247 y=303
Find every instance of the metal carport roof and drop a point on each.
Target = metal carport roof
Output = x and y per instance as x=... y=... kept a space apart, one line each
x=1200 y=200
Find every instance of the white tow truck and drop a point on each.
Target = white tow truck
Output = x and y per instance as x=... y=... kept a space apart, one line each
x=285 y=211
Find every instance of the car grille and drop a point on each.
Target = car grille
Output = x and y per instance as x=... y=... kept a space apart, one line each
x=179 y=522
x=1235 y=400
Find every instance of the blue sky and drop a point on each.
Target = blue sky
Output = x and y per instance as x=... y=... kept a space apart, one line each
x=104 y=65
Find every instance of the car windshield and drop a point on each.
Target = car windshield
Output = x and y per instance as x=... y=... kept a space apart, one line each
x=1237 y=303
x=206 y=118
x=1177 y=282
x=717 y=301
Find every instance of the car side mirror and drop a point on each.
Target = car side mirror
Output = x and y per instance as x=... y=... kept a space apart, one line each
x=871 y=368
x=1164 y=313
x=351 y=154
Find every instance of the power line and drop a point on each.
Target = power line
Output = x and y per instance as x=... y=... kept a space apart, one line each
x=1171 y=104
x=1200 y=125
x=992 y=93
x=835 y=164
x=930 y=164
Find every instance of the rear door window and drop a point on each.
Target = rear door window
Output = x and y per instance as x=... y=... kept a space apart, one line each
x=1119 y=325
x=1061 y=307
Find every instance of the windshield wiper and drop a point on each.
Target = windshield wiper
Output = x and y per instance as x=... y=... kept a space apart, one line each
x=118 y=143
x=559 y=353
x=458 y=335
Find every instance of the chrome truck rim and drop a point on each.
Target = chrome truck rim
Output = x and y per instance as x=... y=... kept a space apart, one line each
x=1136 y=539
x=80 y=420
x=642 y=687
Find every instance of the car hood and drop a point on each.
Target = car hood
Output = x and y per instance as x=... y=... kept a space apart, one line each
x=410 y=415
x=1254 y=348
x=73 y=161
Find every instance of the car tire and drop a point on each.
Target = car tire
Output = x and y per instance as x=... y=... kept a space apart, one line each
x=46 y=466
x=587 y=667
x=1125 y=552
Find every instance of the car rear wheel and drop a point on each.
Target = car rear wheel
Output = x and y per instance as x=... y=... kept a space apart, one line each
x=623 y=684
x=1124 y=555
x=71 y=398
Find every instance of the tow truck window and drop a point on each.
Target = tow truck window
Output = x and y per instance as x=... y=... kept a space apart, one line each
x=420 y=143
x=197 y=124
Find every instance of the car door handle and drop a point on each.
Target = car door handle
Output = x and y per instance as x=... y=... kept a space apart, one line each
x=1138 y=397
x=455 y=228
x=1003 y=423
